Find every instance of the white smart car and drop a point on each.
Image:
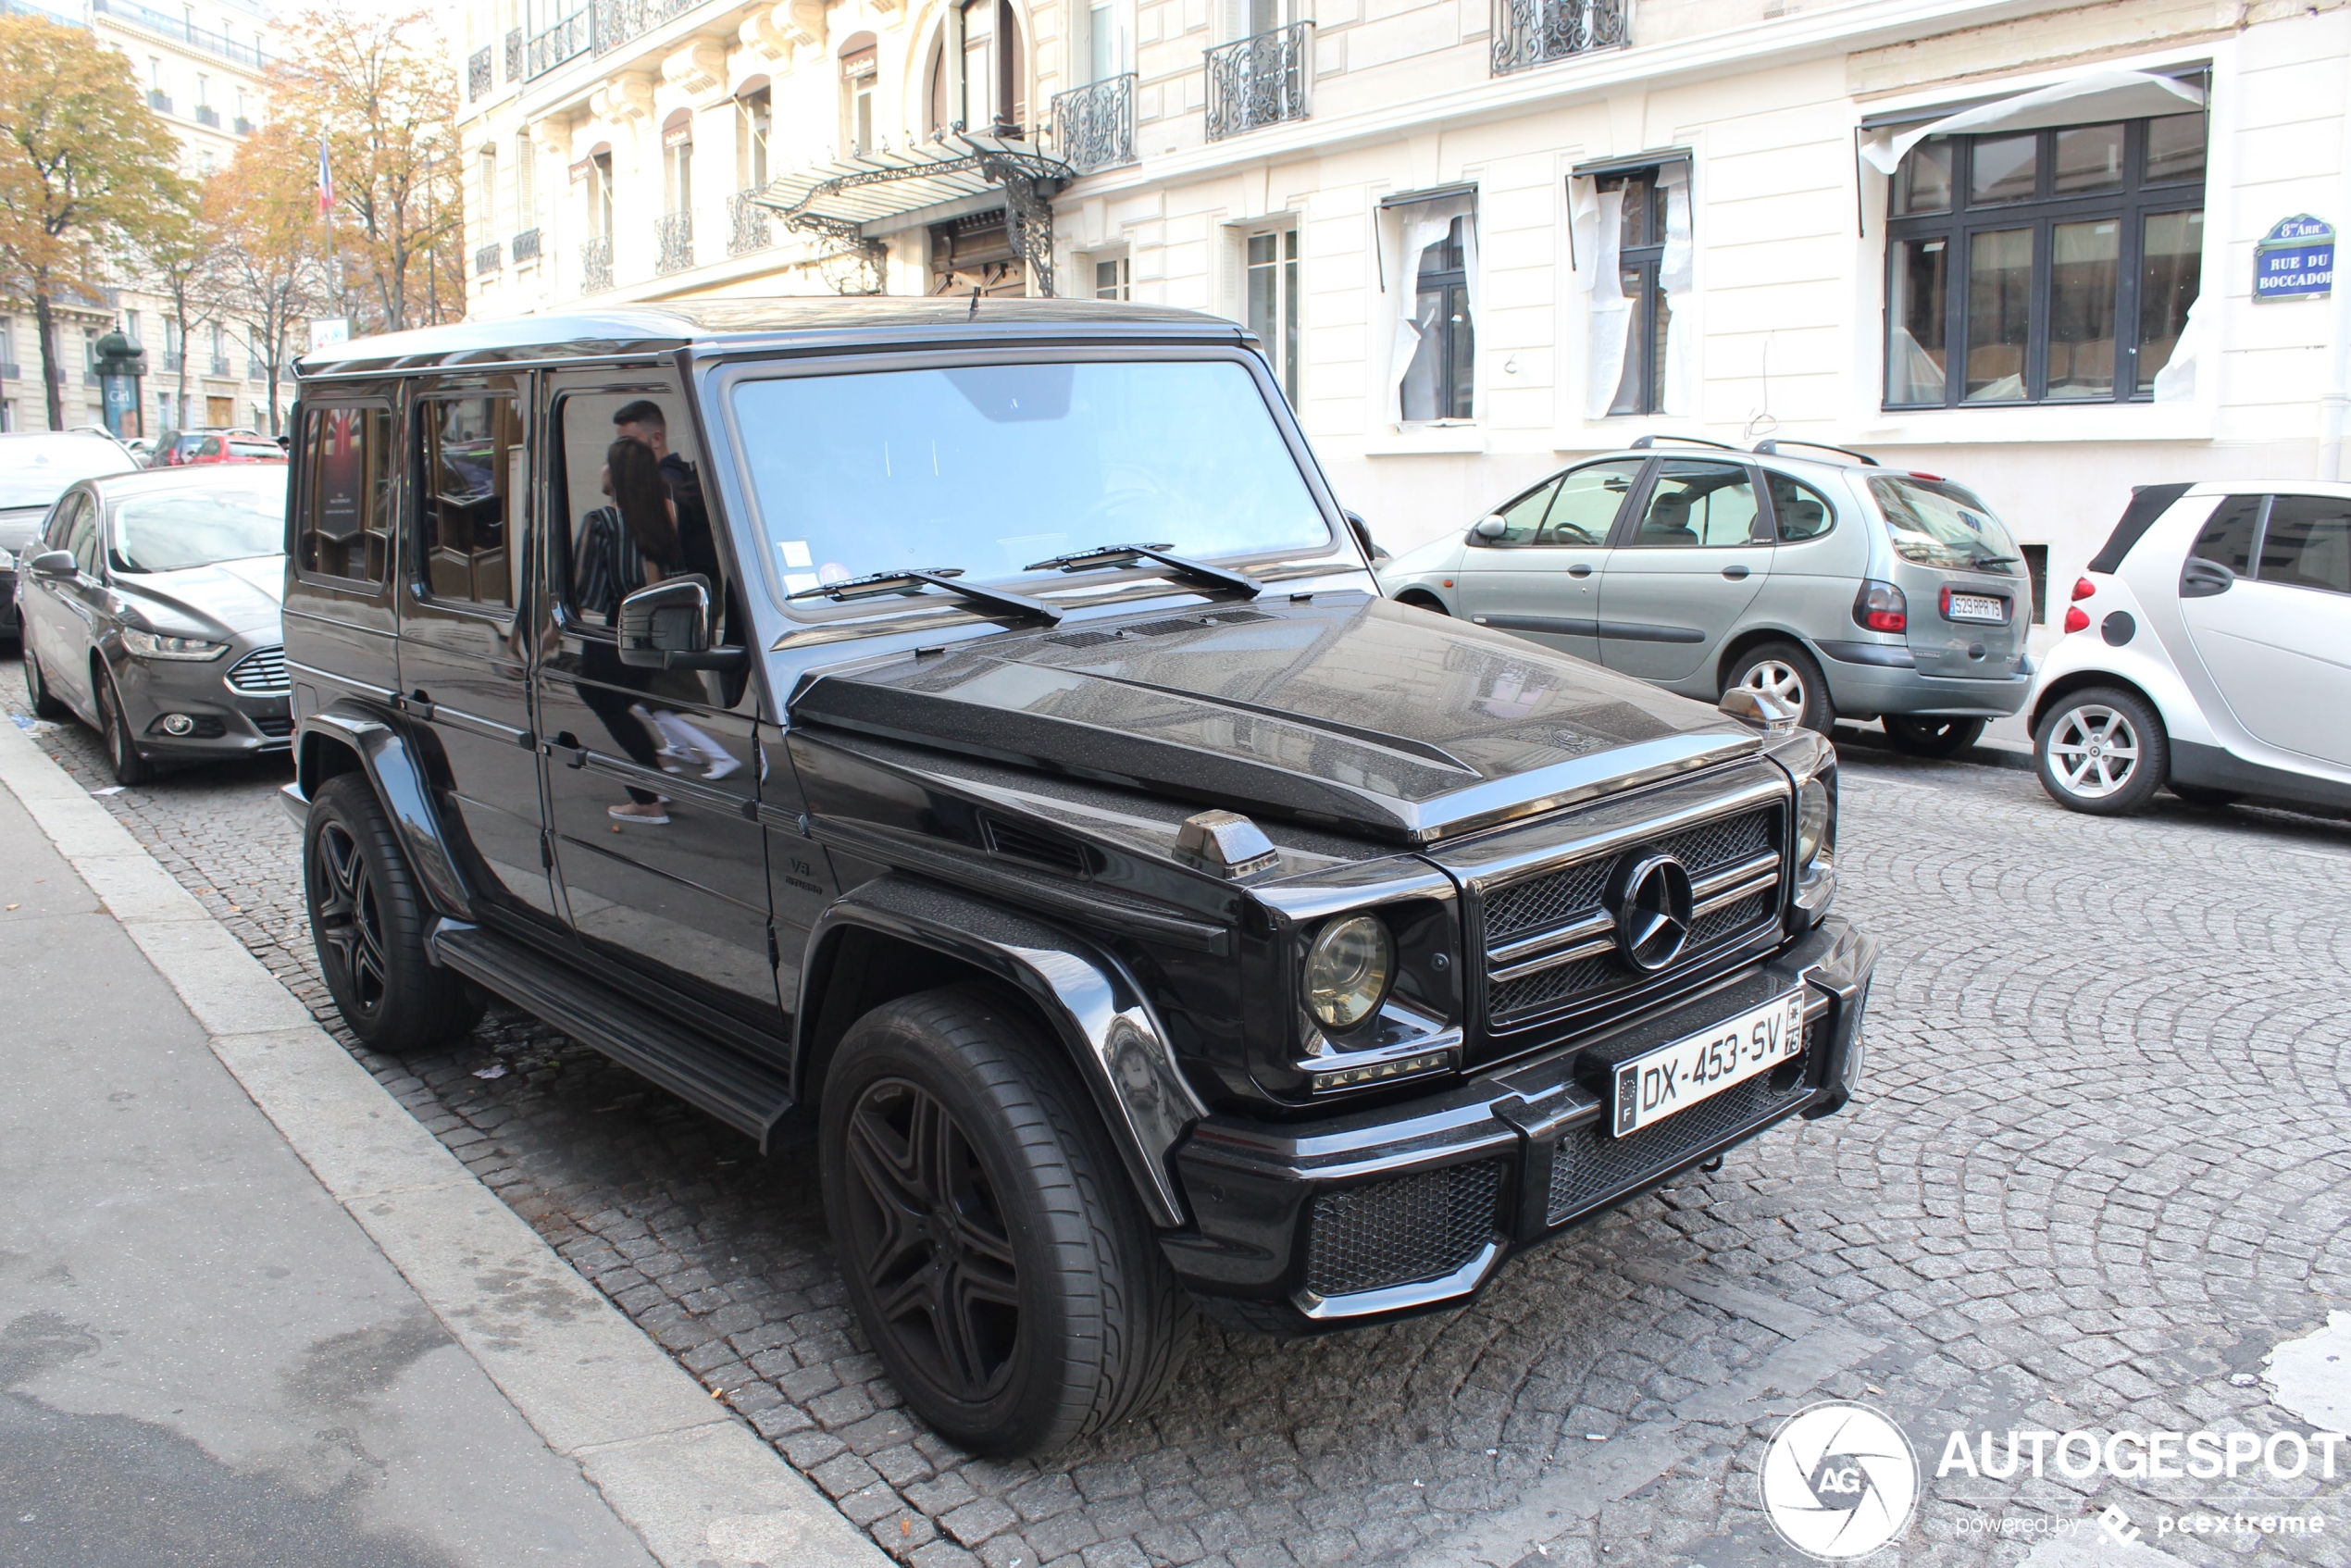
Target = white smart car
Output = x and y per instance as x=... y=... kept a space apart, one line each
x=2209 y=649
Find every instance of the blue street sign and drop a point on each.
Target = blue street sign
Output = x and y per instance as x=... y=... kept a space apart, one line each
x=2295 y=260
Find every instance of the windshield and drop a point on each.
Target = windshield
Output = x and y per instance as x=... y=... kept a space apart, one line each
x=1937 y=523
x=993 y=469
x=168 y=532
x=34 y=472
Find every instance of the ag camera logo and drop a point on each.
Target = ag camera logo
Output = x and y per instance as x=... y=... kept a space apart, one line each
x=1839 y=1481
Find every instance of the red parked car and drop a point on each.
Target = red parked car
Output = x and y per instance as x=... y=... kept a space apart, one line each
x=183 y=445
x=236 y=449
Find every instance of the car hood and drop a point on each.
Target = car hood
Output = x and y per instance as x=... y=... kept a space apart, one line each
x=1349 y=711
x=229 y=597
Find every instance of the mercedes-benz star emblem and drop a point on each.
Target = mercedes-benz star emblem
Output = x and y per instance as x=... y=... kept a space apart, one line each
x=1651 y=902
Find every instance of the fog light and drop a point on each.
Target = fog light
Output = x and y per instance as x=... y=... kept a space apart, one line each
x=178 y=724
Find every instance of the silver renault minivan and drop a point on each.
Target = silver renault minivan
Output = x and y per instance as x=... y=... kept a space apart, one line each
x=1850 y=590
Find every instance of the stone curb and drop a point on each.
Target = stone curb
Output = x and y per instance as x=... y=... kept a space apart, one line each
x=697 y=1485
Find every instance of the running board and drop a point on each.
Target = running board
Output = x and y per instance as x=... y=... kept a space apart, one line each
x=746 y=1095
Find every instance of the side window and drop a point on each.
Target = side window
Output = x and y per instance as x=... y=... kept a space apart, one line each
x=83 y=539
x=1803 y=512
x=2227 y=537
x=1588 y=501
x=1697 y=505
x=344 y=519
x=2308 y=543
x=211 y=447
x=469 y=469
x=60 y=532
x=1521 y=519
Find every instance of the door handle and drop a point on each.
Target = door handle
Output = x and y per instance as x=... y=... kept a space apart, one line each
x=1736 y=573
x=1579 y=569
x=418 y=702
x=567 y=745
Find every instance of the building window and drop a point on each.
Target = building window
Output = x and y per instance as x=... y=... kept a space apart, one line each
x=755 y=123
x=525 y=184
x=1105 y=43
x=1640 y=261
x=975 y=76
x=488 y=172
x=129 y=328
x=1111 y=279
x=1439 y=383
x=678 y=167
x=2060 y=264
x=857 y=79
x=1270 y=260
x=599 y=194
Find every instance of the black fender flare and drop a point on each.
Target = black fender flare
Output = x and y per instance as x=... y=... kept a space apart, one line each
x=1114 y=1038
x=397 y=775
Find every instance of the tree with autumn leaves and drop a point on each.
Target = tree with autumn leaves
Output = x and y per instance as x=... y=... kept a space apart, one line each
x=87 y=177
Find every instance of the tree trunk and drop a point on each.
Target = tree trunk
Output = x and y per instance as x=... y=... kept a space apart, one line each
x=53 y=385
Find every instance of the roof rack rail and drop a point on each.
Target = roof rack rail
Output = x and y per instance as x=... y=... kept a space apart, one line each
x=1771 y=448
x=1642 y=444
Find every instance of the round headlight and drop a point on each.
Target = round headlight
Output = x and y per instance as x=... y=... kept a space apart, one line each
x=1348 y=970
x=1812 y=815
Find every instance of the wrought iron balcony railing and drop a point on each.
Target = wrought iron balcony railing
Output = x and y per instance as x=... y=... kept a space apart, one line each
x=525 y=246
x=1094 y=125
x=10 y=370
x=477 y=73
x=256 y=369
x=160 y=100
x=675 y=231
x=1260 y=81
x=1532 y=32
x=207 y=114
x=182 y=27
x=220 y=365
x=486 y=259
x=564 y=40
x=514 y=54
x=595 y=266
x=618 y=21
x=241 y=126
x=173 y=359
x=748 y=224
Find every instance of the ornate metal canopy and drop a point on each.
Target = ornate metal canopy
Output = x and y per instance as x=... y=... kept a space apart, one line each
x=844 y=200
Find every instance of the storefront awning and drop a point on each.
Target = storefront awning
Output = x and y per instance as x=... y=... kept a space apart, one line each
x=2087 y=99
x=860 y=198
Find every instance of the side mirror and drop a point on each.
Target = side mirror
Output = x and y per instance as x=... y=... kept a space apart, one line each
x=1490 y=527
x=667 y=626
x=56 y=565
x=1774 y=715
x=1364 y=537
x=2199 y=579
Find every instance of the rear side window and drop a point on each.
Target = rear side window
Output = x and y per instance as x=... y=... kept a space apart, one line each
x=1697 y=505
x=469 y=471
x=344 y=516
x=2308 y=543
x=2227 y=536
x=1803 y=512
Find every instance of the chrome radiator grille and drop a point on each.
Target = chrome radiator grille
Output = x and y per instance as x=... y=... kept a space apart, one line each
x=1550 y=937
x=261 y=673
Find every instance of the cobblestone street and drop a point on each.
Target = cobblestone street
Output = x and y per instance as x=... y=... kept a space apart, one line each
x=2099 y=1170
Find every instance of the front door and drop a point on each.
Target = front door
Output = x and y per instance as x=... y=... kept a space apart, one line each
x=2278 y=643
x=463 y=652
x=57 y=611
x=654 y=776
x=1541 y=579
x=1685 y=569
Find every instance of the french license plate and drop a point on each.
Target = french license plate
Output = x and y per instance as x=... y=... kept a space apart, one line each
x=1656 y=1083
x=1979 y=607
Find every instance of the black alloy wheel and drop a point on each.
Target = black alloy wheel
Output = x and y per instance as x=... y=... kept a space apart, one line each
x=992 y=1249
x=46 y=702
x=931 y=1242
x=368 y=921
x=1922 y=735
x=123 y=747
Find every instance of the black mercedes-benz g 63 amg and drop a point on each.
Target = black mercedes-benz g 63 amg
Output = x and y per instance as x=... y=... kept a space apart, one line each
x=969 y=735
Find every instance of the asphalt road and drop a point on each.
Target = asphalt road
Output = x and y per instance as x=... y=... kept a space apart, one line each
x=2099 y=1171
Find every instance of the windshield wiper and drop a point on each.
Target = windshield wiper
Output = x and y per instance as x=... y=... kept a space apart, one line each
x=1199 y=573
x=876 y=583
x=1993 y=560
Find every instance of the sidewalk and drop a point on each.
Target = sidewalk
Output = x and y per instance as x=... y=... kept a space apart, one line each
x=251 y=1313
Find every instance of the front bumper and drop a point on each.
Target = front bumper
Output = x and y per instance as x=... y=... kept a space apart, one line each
x=1302 y=1227
x=229 y=723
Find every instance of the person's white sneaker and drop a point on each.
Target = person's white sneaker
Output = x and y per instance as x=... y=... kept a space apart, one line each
x=721 y=766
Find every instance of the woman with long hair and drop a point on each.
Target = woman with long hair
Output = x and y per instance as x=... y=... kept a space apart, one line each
x=641 y=497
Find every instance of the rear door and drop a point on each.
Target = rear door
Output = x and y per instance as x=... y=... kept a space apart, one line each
x=1684 y=568
x=2277 y=642
x=1542 y=579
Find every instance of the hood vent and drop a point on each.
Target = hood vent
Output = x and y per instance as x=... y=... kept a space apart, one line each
x=1160 y=628
x=1032 y=848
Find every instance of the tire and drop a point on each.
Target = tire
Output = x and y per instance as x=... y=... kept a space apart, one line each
x=1010 y=1280
x=367 y=922
x=45 y=704
x=123 y=747
x=1921 y=735
x=1785 y=670
x=2198 y=795
x=2103 y=751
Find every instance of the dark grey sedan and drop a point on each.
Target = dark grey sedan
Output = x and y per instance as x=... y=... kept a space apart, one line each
x=35 y=468
x=150 y=609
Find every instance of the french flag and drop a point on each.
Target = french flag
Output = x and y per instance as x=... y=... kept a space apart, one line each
x=326 y=181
